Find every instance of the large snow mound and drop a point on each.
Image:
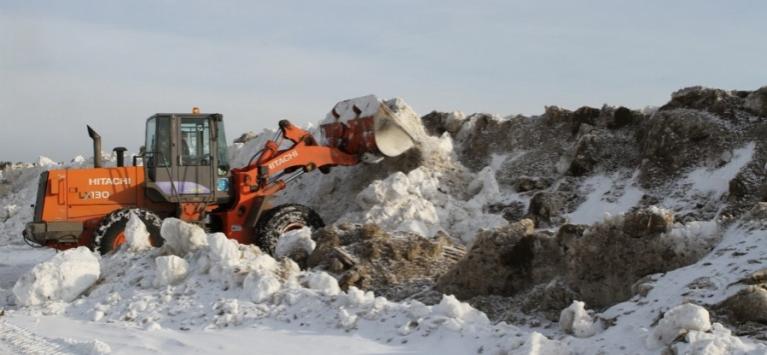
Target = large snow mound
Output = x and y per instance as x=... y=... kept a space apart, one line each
x=700 y=159
x=220 y=284
x=63 y=278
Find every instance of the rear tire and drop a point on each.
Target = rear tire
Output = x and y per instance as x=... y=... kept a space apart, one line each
x=278 y=220
x=110 y=233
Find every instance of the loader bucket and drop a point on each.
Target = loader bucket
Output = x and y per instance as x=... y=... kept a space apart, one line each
x=366 y=125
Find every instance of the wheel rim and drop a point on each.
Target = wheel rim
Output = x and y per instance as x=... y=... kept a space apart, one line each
x=292 y=227
x=119 y=240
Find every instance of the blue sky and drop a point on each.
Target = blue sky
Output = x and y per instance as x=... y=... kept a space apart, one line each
x=65 y=64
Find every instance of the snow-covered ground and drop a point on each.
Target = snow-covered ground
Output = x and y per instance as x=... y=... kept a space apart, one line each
x=203 y=293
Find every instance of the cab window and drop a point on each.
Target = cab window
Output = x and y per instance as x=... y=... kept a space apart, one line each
x=195 y=141
x=157 y=142
x=223 y=158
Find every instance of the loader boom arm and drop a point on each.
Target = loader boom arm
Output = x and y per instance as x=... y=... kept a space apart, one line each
x=304 y=154
x=270 y=173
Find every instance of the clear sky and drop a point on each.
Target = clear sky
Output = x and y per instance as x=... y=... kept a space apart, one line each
x=111 y=64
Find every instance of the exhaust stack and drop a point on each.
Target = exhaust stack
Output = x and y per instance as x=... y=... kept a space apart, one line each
x=120 y=153
x=96 y=147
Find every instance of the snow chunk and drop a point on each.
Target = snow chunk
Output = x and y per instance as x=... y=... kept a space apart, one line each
x=323 y=283
x=264 y=263
x=181 y=237
x=576 y=320
x=260 y=286
x=677 y=321
x=78 y=160
x=223 y=251
x=62 y=278
x=46 y=162
x=347 y=320
x=451 y=307
x=717 y=341
x=295 y=240
x=170 y=270
x=136 y=235
x=358 y=298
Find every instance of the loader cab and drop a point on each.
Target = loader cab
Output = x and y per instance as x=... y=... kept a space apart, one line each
x=185 y=158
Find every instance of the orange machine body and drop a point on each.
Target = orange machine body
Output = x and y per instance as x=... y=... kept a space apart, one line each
x=87 y=195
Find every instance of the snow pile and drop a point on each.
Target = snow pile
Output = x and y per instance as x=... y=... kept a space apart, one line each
x=63 y=278
x=322 y=283
x=717 y=340
x=299 y=240
x=577 y=321
x=223 y=253
x=414 y=202
x=456 y=310
x=678 y=321
x=474 y=173
x=654 y=318
x=18 y=191
x=402 y=203
x=240 y=154
x=21 y=184
x=220 y=283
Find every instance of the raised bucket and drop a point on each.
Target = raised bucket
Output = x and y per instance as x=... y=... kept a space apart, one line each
x=367 y=125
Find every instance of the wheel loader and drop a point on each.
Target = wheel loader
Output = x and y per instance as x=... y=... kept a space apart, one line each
x=183 y=171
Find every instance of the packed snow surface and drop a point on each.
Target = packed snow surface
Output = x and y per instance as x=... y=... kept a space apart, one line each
x=170 y=270
x=599 y=202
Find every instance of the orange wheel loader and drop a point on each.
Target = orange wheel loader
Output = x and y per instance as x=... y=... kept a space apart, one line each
x=184 y=173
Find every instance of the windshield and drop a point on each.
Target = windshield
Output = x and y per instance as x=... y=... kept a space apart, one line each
x=195 y=141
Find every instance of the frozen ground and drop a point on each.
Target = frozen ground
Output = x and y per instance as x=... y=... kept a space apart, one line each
x=202 y=293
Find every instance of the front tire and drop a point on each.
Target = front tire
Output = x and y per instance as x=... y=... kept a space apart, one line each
x=110 y=233
x=281 y=219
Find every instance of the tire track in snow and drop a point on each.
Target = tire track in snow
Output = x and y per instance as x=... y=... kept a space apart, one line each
x=23 y=341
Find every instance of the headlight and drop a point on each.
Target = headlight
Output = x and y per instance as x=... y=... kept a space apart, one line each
x=222 y=184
